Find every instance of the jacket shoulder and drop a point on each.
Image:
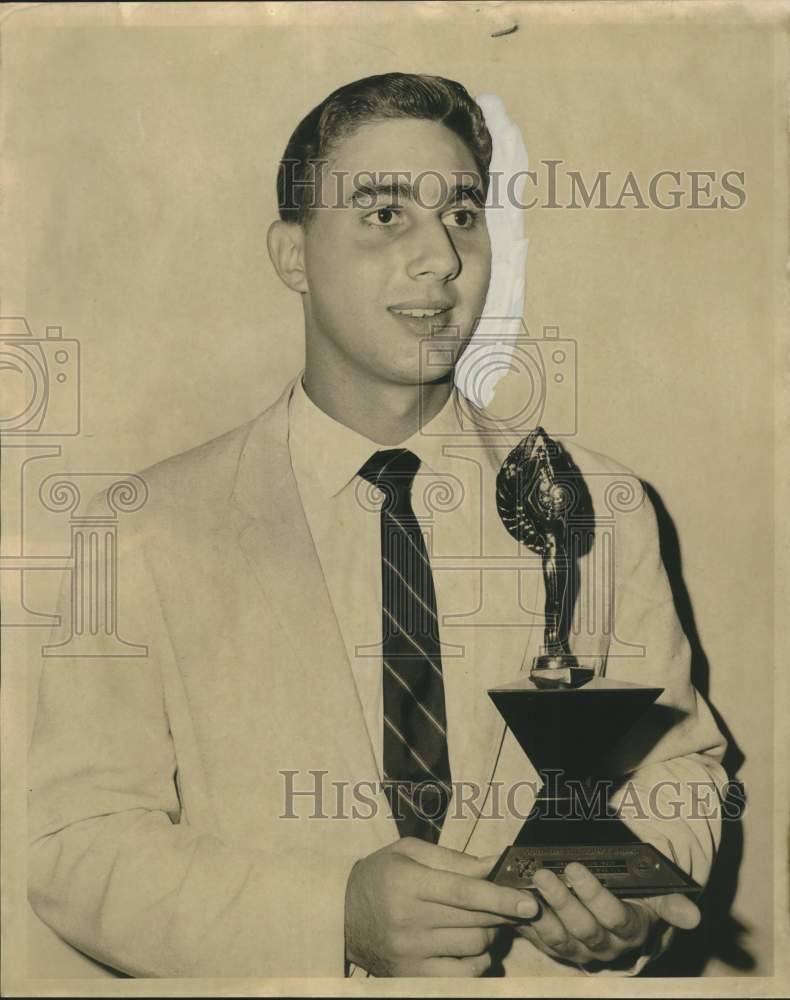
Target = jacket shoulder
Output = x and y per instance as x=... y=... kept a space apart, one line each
x=185 y=494
x=618 y=496
x=595 y=462
x=190 y=493
x=199 y=475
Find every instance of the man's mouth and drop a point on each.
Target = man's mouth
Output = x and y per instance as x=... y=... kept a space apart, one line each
x=420 y=310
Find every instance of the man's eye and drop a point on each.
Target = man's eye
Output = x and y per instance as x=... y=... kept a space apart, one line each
x=382 y=217
x=461 y=218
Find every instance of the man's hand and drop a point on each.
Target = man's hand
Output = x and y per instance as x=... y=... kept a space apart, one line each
x=416 y=909
x=590 y=924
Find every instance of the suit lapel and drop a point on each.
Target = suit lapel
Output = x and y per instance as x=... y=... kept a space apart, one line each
x=276 y=541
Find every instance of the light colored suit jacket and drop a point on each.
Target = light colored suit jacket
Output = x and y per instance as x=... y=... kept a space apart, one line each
x=158 y=783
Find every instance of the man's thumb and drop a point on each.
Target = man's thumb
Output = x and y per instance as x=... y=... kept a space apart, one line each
x=677 y=910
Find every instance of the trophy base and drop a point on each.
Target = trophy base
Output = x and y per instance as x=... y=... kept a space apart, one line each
x=567 y=724
x=636 y=871
x=607 y=848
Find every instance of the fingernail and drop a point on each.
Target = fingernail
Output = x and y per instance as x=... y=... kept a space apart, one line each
x=527 y=907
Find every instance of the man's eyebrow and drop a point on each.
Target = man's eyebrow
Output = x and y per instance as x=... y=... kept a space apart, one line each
x=370 y=192
x=467 y=192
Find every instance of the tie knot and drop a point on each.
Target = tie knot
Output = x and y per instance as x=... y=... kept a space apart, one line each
x=392 y=470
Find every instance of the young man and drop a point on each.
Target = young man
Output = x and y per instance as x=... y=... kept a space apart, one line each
x=322 y=627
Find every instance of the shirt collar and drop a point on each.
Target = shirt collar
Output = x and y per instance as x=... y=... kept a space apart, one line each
x=330 y=454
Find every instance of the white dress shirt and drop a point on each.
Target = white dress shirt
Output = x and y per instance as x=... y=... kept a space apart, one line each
x=343 y=514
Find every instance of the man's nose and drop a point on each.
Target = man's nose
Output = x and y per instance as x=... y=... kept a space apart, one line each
x=433 y=254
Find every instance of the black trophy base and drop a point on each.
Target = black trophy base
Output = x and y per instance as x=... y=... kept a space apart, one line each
x=606 y=847
x=567 y=722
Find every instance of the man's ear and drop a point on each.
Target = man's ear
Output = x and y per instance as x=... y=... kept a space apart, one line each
x=285 y=241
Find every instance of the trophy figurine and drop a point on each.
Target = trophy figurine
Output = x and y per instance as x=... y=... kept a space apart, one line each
x=528 y=486
x=566 y=717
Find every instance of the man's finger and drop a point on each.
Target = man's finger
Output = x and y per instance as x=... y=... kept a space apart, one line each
x=445 y=858
x=440 y=915
x=577 y=920
x=677 y=910
x=460 y=942
x=607 y=909
x=467 y=968
x=549 y=932
x=474 y=893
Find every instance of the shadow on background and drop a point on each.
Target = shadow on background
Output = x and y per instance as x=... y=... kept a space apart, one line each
x=719 y=934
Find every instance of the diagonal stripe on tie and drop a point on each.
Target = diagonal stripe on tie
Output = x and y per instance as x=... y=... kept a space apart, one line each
x=418 y=549
x=422 y=707
x=428 y=774
x=415 y=645
x=406 y=799
x=410 y=589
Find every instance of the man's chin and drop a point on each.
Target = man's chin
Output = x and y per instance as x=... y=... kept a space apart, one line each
x=414 y=373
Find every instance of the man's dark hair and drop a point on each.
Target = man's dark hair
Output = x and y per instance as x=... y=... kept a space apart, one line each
x=375 y=99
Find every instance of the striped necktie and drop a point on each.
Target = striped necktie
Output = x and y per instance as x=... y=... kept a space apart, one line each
x=416 y=763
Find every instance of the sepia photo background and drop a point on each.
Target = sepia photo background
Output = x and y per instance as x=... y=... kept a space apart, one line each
x=141 y=147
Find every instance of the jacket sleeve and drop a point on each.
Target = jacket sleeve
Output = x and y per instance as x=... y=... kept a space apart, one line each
x=115 y=867
x=672 y=757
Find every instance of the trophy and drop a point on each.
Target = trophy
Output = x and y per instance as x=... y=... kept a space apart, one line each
x=565 y=716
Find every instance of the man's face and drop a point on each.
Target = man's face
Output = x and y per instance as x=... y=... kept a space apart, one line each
x=404 y=255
